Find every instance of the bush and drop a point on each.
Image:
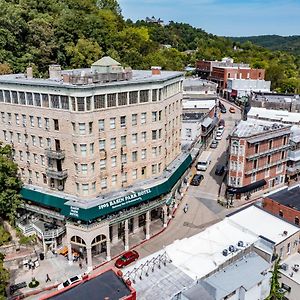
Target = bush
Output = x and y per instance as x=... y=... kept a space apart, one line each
x=4 y=236
x=33 y=283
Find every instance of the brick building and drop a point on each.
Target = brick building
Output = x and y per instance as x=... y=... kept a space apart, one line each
x=284 y=203
x=257 y=157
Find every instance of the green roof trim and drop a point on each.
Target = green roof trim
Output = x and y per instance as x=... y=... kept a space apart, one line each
x=109 y=206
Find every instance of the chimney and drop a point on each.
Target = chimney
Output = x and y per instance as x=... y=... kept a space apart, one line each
x=54 y=72
x=66 y=78
x=155 y=70
x=29 y=73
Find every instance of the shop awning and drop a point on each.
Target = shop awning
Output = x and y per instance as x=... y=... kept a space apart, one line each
x=247 y=188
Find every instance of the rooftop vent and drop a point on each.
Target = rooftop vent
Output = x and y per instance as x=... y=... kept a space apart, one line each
x=284 y=267
x=240 y=244
x=156 y=70
x=225 y=252
x=285 y=232
x=231 y=248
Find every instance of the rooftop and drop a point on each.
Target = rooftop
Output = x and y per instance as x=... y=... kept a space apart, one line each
x=283 y=116
x=198 y=104
x=260 y=222
x=247 y=272
x=277 y=98
x=107 y=284
x=253 y=127
x=287 y=197
x=290 y=272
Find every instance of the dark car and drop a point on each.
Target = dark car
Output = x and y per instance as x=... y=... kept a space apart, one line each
x=222 y=123
x=223 y=110
x=220 y=169
x=126 y=259
x=196 y=180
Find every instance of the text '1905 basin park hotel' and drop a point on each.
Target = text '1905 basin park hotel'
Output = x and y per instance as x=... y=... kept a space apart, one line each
x=91 y=143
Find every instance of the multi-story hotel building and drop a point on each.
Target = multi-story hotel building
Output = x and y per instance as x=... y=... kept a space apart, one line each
x=257 y=157
x=99 y=147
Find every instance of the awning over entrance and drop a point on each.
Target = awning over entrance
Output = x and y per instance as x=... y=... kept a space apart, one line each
x=69 y=208
x=247 y=188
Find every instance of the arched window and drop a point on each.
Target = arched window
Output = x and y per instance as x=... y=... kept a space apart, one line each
x=77 y=240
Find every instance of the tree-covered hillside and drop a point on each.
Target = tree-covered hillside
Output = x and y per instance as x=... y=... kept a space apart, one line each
x=74 y=33
x=274 y=42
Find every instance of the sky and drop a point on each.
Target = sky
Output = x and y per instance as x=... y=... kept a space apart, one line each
x=222 y=17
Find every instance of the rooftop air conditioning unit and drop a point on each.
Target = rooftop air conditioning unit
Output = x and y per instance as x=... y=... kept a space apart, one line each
x=284 y=267
x=240 y=244
x=225 y=252
x=231 y=248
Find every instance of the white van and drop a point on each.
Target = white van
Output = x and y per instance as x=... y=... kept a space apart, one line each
x=203 y=161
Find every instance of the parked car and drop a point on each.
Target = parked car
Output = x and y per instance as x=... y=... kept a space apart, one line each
x=222 y=123
x=221 y=127
x=223 y=110
x=126 y=259
x=214 y=144
x=220 y=131
x=218 y=137
x=69 y=282
x=232 y=110
x=196 y=180
x=220 y=169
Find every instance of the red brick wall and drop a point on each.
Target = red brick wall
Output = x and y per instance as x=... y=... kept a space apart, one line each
x=203 y=65
x=274 y=207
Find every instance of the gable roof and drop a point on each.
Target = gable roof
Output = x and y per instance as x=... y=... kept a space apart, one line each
x=106 y=61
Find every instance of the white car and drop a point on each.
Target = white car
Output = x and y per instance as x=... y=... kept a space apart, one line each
x=69 y=282
x=218 y=137
x=221 y=128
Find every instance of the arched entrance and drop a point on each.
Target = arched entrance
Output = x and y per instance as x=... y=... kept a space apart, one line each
x=99 y=244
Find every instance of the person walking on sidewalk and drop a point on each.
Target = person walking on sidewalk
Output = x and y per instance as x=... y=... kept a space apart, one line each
x=47 y=278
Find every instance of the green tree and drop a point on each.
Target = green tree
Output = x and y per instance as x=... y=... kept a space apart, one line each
x=4 y=278
x=112 y=5
x=10 y=184
x=275 y=285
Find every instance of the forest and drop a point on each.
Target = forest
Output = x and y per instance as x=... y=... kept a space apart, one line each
x=75 y=33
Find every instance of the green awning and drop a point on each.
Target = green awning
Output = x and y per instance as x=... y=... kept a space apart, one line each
x=67 y=209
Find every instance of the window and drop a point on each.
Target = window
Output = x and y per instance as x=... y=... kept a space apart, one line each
x=270 y=144
x=104 y=183
x=154 y=134
x=256 y=148
x=82 y=128
x=21 y=155
x=160 y=114
x=102 y=164
x=159 y=133
x=85 y=189
x=143 y=118
x=75 y=148
x=284 y=140
x=144 y=154
x=279 y=168
x=45 y=100
x=48 y=143
x=134 y=138
x=101 y=126
x=282 y=155
x=122 y=99
x=134 y=156
x=269 y=159
x=73 y=103
x=19 y=137
x=297 y=220
x=267 y=172
x=123 y=158
x=133 y=97
x=144 y=136
x=154 y=169
x=77 y=187
x=123 y=121
x=37 y=176
x=90 y=127
x=88 y=103
x=134 y=174
x=91 y=148
x=154 y=95
x=80 y=103
x=123 y=141
x=83 y=150
x=47 y=124
x=124 y=177
x=113 y=143
x=112 y=123
x=154 y=152
x=101 y=144
x=94 y=186
x=56 y=126
x=17 y=119
x=134 y=119
x=113 y=161
x=144 y=170
x=22 y=98
x=84 y=169
x=253 y=177
x=111 y=100
x=76 y=168
x=288 y=250
x=33 y=139
x=93 y=167
x=54 y=101
x=31 y=121
x=281 y=213
x=64 y=102
x=42 y=160
x=114 y=179
x=154 y=116
x=39 y=122
x=144 y=96
x=255 y=164
x=99 y=101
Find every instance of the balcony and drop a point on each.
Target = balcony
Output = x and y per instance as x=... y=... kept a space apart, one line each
x=60 y=175
x=55 y=154
x=265 y=166
x=268 y=152
x=294 y=155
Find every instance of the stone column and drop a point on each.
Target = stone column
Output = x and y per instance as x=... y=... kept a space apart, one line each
x=165 y=217
x=70 y=255
x=108 y=257
x=148 y=225
x=135 y=224
x=114 y=231
x=89 y=259
x=126 y=230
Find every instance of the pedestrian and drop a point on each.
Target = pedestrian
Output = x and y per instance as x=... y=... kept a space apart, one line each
x=47 y=278
x=80 y=265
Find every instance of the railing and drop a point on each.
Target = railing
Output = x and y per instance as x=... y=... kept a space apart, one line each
x=268 y=152
x=60 y=175
x=49 y=234
x=265 y=166
x=26 y=229
x=55 y=154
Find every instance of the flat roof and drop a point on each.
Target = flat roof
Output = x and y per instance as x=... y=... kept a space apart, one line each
x=252 y=127
x=198 y=104
x=246 y=272
x=107 y=284
x=274 y=115
x=138 y=76
x=288 y=197
x=260 y=222
x=290 y=273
